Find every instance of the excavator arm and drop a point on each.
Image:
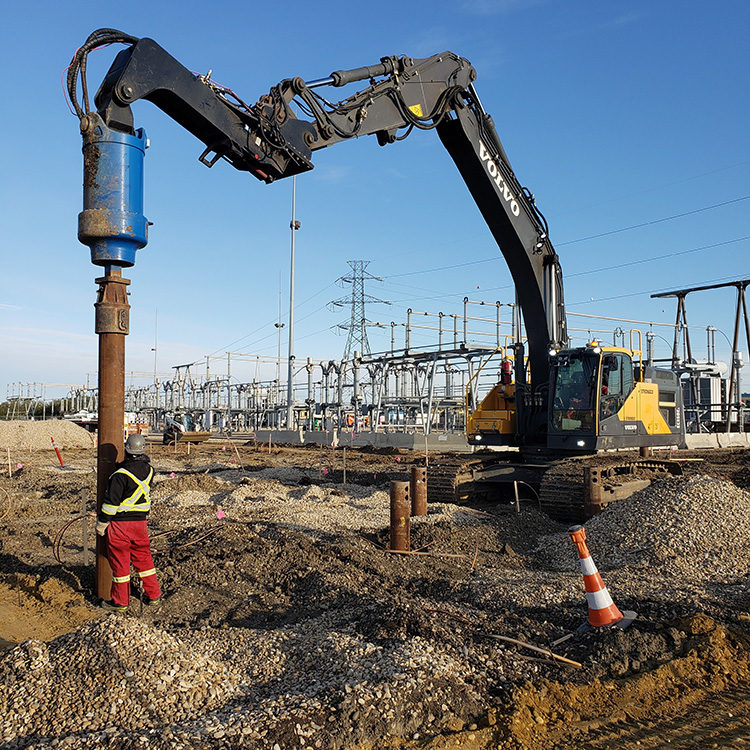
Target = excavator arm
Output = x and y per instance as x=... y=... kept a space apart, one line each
x=271 y=140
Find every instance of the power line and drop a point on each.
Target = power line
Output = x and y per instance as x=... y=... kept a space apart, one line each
x=601 y=269
x=570 y=242
x=649 y=291
x=659 y=257
x=654 y=221
x=268 y=323
x=441 y=268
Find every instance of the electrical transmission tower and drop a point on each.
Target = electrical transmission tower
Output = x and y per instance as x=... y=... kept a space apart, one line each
x=356 y=339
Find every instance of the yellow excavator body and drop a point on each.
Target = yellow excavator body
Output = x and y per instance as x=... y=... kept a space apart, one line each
x=496 y=414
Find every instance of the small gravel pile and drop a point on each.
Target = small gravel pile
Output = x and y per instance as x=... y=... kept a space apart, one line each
x=115 y=671
x=697 y=527
x=27 y=435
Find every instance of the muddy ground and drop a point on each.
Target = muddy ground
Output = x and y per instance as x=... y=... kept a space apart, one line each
x=251 y=541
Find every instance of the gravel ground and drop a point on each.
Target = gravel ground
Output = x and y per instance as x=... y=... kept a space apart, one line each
x=286 y=623
x=694 y=527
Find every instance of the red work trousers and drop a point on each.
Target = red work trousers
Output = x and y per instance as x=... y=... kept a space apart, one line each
x=127 y=541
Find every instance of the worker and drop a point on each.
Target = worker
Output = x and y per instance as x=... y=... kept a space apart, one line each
x=122 y=518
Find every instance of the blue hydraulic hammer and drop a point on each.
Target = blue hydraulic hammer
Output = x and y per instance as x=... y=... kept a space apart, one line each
x=112 y=223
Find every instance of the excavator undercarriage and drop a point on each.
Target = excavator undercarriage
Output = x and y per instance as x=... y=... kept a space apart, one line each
x=568 y=489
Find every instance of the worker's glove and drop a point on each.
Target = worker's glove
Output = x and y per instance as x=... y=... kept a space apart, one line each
x=101 y=527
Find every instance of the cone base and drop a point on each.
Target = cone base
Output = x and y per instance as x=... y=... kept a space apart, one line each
x=603 y=618
x=627 y=619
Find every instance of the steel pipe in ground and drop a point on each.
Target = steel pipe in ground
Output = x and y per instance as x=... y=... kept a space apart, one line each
x=400 y=538
x=112 y=325
x=418 y=488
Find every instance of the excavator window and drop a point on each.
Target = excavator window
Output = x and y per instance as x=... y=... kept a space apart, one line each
x=573 y=399
x=616 y=384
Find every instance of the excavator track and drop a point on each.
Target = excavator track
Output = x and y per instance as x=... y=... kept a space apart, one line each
x=569 y=489
x=562 y=494
x=450 y=477
x=575 y=489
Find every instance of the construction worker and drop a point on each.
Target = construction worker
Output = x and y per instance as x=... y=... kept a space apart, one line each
x=122 y=518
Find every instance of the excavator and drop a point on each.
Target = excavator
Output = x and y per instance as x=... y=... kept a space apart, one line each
x=181 y=427
x=561 y=407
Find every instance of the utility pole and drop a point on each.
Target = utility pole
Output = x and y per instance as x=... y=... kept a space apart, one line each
x=228 y=426
x=156 y=382
x=279 y=325
x=156 y=321
x=294 y=225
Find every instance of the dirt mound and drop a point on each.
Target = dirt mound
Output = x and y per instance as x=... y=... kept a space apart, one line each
x=27 y=435
x=40 y=608
x=711 y=660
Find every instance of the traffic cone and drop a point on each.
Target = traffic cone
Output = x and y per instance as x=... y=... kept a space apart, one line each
x=603 y=612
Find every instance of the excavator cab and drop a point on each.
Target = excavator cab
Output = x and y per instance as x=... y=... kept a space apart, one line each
x=600 y=401
x=573 y=408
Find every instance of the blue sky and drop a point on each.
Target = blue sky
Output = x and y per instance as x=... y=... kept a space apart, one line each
x=614 y=115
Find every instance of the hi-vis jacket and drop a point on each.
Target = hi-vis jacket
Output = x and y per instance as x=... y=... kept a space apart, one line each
x=128 y=493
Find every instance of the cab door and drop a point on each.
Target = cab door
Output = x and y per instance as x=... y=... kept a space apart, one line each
x=617 y=383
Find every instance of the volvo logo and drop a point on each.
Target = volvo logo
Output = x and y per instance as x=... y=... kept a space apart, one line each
x=494 y=172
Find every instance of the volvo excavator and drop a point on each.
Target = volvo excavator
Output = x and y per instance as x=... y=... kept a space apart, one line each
x=556 y=403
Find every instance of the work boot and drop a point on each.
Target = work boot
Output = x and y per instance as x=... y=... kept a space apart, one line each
x=151 y=602
x=112 y=607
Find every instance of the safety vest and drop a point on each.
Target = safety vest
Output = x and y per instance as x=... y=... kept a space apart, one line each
x=140 y=500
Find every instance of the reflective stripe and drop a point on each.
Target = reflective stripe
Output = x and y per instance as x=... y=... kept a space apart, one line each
x=140 y=500
x=110 y=510
x=599 y=599
x=120 y=579
x=588 y=568
x=145 y=573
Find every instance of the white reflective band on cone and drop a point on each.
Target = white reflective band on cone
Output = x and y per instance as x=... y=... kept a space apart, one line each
x=599 y=599
x=587 y=566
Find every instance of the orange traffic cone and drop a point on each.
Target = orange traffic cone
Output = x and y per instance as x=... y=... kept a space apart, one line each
x=602 y=610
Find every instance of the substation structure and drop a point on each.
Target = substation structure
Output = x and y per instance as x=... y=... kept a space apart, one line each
x=398 y=391
x=412 y=389
x=423 y=389
x=408 y=389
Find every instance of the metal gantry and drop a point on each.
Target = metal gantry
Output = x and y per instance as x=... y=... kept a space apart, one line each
x=708 y=398
x=411 y=387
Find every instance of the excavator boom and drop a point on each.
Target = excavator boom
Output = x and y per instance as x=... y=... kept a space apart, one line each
x=269 y=140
